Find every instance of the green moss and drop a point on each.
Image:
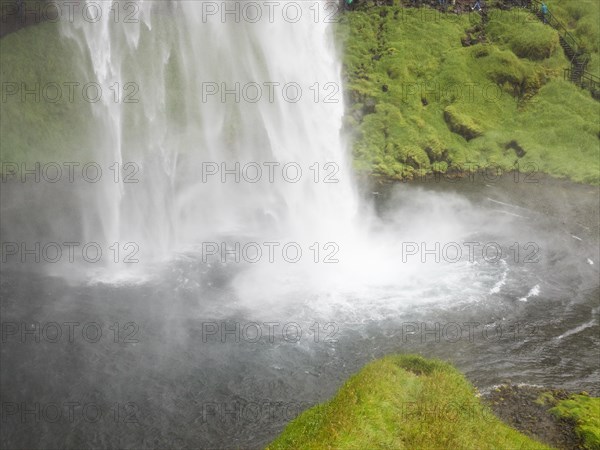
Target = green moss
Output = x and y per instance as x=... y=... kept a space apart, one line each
x=526 y=36
x=581 y=18
x=461 y=123
x=414 y=91
x=34 y=129
x=402 y=402
x=585 y=411
x=422 y=102
x=37 y=129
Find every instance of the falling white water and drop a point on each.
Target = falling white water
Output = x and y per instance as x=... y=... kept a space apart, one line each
x=170 y=62
x=188 y=93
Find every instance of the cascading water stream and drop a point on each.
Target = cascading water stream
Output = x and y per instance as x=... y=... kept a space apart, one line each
x=223 y=129
x=186 y=94
x=221 y=124
x=199 y=94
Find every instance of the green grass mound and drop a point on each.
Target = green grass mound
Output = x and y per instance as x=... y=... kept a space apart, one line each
x=402 y=402
x=585 y=411
x=421 y=102
x=526 y=36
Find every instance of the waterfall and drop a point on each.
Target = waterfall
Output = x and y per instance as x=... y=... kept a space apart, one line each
x=226 y=116
x=218 y=130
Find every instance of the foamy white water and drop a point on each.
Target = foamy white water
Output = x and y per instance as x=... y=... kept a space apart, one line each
x=211 y=94
x=232 y=130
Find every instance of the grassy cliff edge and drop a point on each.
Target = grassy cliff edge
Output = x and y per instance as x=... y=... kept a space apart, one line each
x=434 y=92
x=402 y=402
x=409 y=402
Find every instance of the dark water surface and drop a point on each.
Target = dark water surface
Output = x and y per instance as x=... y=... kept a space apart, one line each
x=161 y=374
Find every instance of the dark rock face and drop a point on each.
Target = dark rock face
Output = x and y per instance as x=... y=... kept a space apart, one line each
x=519 y=407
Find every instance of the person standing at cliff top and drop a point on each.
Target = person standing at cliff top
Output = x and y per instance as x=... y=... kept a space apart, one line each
x=544 y=12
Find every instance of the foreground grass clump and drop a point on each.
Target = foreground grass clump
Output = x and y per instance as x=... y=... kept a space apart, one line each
x=402 y=402
x=585 y=411
x=422 y=102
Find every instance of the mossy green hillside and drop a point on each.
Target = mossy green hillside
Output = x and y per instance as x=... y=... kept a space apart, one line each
x=522 y=33
x=45 y=113
x=38 y=60
x=420 y=101
x=402 y=402
x=585 y=411
x=41 y=129
x=582 y=19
